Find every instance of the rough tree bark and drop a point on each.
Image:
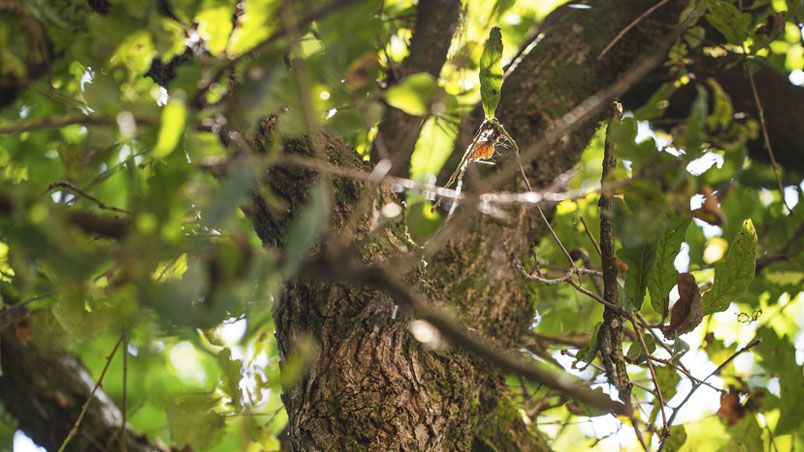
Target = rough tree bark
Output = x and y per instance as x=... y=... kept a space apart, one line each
x=371 y=386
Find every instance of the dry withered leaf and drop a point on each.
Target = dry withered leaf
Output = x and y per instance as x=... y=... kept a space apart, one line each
x=730 y=408
x=622 y=267
x=709 y=212
x=688 y=310
x=24 y=330
x=774 y=25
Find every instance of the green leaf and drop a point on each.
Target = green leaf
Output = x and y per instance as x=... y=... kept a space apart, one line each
x=655 y=106
x=722 y=112
x=414 y=94
x=635 y=352
x=668 y=379
x=746 y=434
x=693 y=135
x=677 y=438
x=192 y=421
x=215 y=25
x=735 y=273
x=728 y=20
x=589 y=352
x=174 y=116
x=231 y=376
x=640 y=261
x=694 y=36
x=679 y=349
x=491 y=74
x=663 y=277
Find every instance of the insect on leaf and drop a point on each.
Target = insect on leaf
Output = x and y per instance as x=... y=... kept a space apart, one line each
x=491 y=72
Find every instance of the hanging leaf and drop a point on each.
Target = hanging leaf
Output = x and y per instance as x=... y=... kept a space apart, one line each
x=731 y=410
x=491 y=72
x=174 y=115
x=640 y=261
x=663 y=277
x=687 y=312
x=733 y=275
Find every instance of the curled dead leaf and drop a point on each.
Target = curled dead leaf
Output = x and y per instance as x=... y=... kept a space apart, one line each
x=730 y=407
x=687 y=313
x=709 y=212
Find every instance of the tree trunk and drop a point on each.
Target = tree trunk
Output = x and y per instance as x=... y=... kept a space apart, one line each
x=372 y=386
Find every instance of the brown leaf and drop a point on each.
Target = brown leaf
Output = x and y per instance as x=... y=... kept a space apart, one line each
x=688 y=310
x=709 y=212
x=24 y=330
x=774 y=25
x=622 y=267
x=730 y=408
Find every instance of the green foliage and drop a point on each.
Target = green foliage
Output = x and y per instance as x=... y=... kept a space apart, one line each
x=734 y=274
x=640 y=260
x=179 y=162
x=174 y=116
x=414 y=94
x=491 y=72
x=727 y=19
x=663 y=276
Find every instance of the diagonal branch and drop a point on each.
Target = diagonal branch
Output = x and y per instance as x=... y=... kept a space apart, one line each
x=334 y=268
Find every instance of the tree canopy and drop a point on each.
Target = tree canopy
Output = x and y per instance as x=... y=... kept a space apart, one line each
x=442 y=225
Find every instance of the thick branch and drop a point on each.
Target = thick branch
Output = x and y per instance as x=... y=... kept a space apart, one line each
x=41 y=391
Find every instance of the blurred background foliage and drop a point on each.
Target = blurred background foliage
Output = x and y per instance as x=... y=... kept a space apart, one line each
x=192 y=285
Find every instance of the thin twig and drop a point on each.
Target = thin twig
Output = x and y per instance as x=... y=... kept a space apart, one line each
x=72 y=187
x=774 y=165
x=630 y=26
x=751 y=345
x=55 y=121
x=85 y=407
x=591 y=237
x=666 y=429
x=10 y=315
x=527 y=184
x=686 y=373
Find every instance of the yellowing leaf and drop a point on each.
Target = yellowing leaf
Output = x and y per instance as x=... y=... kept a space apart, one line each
x=733 y=275
x=174 y=116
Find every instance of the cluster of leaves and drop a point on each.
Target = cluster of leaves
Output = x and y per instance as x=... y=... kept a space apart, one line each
x=181 y=263
x=125 y=112
x=708 y=252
